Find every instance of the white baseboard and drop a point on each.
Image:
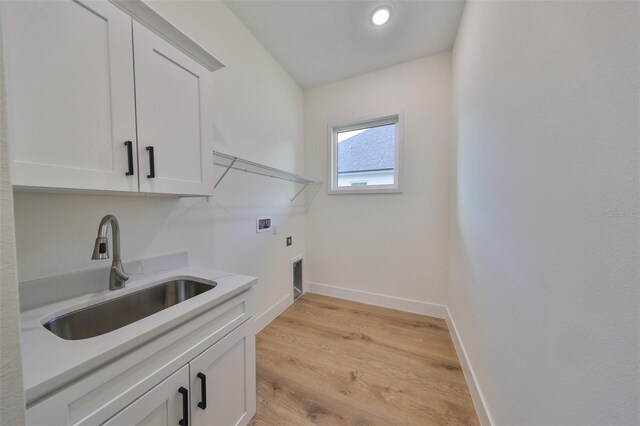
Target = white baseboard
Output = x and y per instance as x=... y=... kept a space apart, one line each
x=484 y=415
x=265 y=318
x=401 y=304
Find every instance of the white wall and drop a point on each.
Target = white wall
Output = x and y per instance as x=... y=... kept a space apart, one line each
x=258 y=115
x=544 y=281
x=390 y=244
x=11 y=395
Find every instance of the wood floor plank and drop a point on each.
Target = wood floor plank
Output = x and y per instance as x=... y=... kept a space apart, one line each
x=374 y=339
x=364 y=350
x=329 y=361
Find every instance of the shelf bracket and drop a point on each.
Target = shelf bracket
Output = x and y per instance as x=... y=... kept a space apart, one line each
x=298 y=193
x=225 y=172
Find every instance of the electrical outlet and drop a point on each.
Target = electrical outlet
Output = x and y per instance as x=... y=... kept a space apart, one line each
x=289 y=241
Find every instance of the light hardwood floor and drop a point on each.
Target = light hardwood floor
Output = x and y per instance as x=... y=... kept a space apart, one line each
x=334 y=362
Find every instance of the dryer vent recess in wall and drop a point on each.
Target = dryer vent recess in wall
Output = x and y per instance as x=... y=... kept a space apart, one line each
x=297 y=279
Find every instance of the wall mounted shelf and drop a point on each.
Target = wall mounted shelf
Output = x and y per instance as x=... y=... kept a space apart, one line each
x=229 y=162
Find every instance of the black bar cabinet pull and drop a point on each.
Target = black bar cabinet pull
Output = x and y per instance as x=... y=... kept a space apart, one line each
x=129 y=157
x=203 y=382
x=185 y=407
x=152 y=163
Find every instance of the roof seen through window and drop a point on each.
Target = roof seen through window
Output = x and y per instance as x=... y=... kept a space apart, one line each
x=371 y=149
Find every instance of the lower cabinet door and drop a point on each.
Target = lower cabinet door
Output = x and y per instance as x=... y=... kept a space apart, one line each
x=165 y=404
x=223 y=380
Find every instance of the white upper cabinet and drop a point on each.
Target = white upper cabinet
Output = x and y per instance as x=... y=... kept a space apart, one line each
x=70 y=99
x=174 y=118
x=73 y=107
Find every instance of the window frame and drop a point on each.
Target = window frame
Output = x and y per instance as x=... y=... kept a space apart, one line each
x=373 y=121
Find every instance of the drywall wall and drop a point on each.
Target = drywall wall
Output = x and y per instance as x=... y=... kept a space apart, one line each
x=11 y=395
x=545 y=242
x=388 y=244
x=257 y=114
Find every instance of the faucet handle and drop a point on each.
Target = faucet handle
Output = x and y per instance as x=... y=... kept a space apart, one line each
x=121 y=275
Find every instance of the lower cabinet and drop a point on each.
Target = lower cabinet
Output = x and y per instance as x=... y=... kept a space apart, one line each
x=162 y=405
x=215 y=388
x=223 y=382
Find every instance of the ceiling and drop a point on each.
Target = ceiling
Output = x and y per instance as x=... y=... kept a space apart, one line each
x=320 y=41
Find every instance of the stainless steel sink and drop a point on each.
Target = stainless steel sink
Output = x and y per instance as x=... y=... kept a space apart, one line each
x=111 y=315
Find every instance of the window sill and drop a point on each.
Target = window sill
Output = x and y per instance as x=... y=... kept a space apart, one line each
x=351 y=191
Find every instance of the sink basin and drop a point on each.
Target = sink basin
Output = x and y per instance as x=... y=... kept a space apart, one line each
x=113 y=314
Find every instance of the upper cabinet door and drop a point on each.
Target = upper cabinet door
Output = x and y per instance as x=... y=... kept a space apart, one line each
x=175 y=125
x=70 y=95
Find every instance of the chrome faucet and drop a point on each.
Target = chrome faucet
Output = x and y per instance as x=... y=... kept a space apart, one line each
x=117 y=277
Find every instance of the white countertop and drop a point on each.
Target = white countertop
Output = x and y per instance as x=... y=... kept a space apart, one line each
x=49 y=361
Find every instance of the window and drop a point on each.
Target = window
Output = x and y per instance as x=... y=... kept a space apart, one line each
x=366 y=156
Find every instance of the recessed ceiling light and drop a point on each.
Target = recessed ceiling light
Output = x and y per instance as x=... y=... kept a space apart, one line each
x=381 y=16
